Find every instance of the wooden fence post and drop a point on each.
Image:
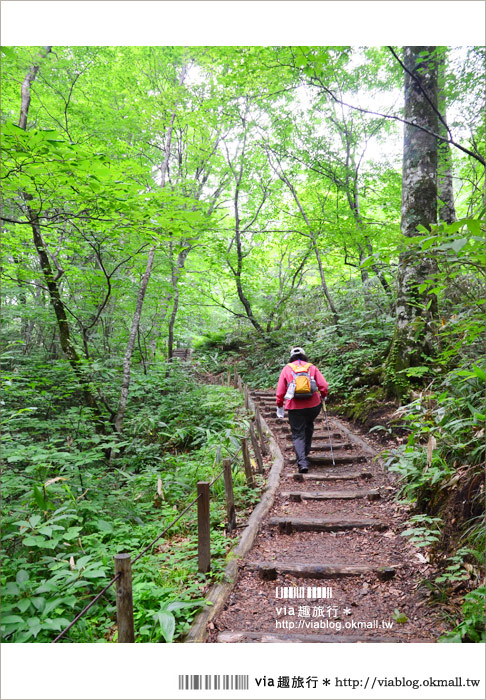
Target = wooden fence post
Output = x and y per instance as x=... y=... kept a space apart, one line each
x=203 y=527
x=228 y=378
x=261 y=436
x=247 y=398
x=124 y=599
x=256 y=449
x=235 y=378
x=230 y=499
x=250 y=481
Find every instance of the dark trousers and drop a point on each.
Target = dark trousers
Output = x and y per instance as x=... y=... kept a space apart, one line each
x=302 y=426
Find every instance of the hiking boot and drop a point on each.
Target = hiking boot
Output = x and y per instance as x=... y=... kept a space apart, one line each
x=303 y=470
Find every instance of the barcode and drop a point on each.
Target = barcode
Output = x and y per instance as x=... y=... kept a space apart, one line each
x=208 y=682
x=303 y=592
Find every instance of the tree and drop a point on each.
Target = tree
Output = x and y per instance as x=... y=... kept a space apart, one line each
x=446 y=209
x=415 y=310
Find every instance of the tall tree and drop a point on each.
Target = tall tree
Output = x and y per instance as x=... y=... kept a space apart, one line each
x=51 y=278
x=415 y=310
x=445 y=189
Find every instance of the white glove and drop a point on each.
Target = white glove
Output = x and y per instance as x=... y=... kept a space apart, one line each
x=280 y=411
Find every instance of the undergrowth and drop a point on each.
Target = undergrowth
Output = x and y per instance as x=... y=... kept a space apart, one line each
x=68 y=508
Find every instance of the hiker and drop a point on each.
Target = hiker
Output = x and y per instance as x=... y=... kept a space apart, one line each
x=303 y=387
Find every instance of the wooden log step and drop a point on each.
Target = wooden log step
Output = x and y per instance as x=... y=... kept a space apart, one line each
x=230 y=637
x=287 y=525
x=338 y=459
x=332 y=477
x=371 y=495
x=319 y=444
x=318 y=435
x=270 y=570
x=284 y=430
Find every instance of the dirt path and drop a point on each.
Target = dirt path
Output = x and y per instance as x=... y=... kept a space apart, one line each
x=329 y=564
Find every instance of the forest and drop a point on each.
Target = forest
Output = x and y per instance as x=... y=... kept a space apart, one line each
x=234 y=201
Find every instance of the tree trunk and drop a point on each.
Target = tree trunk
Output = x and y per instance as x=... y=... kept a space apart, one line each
x=175 y=275
x=446 y=207
x=122 y=404
x=49 y=277
x=324 y=286
x=239 y=253
x=62 y=322
x=415 y=311
x=25 y=90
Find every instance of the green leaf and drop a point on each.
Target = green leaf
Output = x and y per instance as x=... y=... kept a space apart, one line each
x=12 y=620
x=46 y=530
x=34 y=541
x=459 y=244
x=39 y=498
x=9 y=52
x=22 y=576
x=23 y=605
x=400 y=617
x=12 y=589
x=39 y=603
x=479 y=373
x=34 y=625
x=52 y=605
x=474 y=225
x=167 y=624
x=179 y=605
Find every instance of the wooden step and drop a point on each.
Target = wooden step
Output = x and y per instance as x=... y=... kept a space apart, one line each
x=287 y=525
x=326 y=459
x=284 y=430
x=270 y=570
x=319 y=444
x=371 y=495
x=278 y=637
x=332 y=477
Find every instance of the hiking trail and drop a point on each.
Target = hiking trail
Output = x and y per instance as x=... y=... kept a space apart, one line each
x=328 y=563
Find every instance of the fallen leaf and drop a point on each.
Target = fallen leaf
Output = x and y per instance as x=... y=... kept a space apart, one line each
x=58 y=478
x=431 y=445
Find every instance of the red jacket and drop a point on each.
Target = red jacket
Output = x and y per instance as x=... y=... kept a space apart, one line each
x=314 y=400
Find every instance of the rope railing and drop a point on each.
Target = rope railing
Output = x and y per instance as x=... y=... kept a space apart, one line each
x=123 y=563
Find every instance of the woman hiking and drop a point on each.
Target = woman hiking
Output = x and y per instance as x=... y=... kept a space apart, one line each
x=303 y=388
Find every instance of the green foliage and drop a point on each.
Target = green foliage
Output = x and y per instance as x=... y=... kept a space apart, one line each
x=399 y=617
x=264 y=205
x=449 y=421
x=424 y=531
x=472 y=626
x=60 y=532
x=455 y=571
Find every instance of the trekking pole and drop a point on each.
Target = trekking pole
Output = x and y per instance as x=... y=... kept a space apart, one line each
x=329 y=433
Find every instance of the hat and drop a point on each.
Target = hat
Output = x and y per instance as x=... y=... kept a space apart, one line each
x=297 y=351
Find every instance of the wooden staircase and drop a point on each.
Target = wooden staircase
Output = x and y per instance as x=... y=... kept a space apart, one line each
x=327 y=483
